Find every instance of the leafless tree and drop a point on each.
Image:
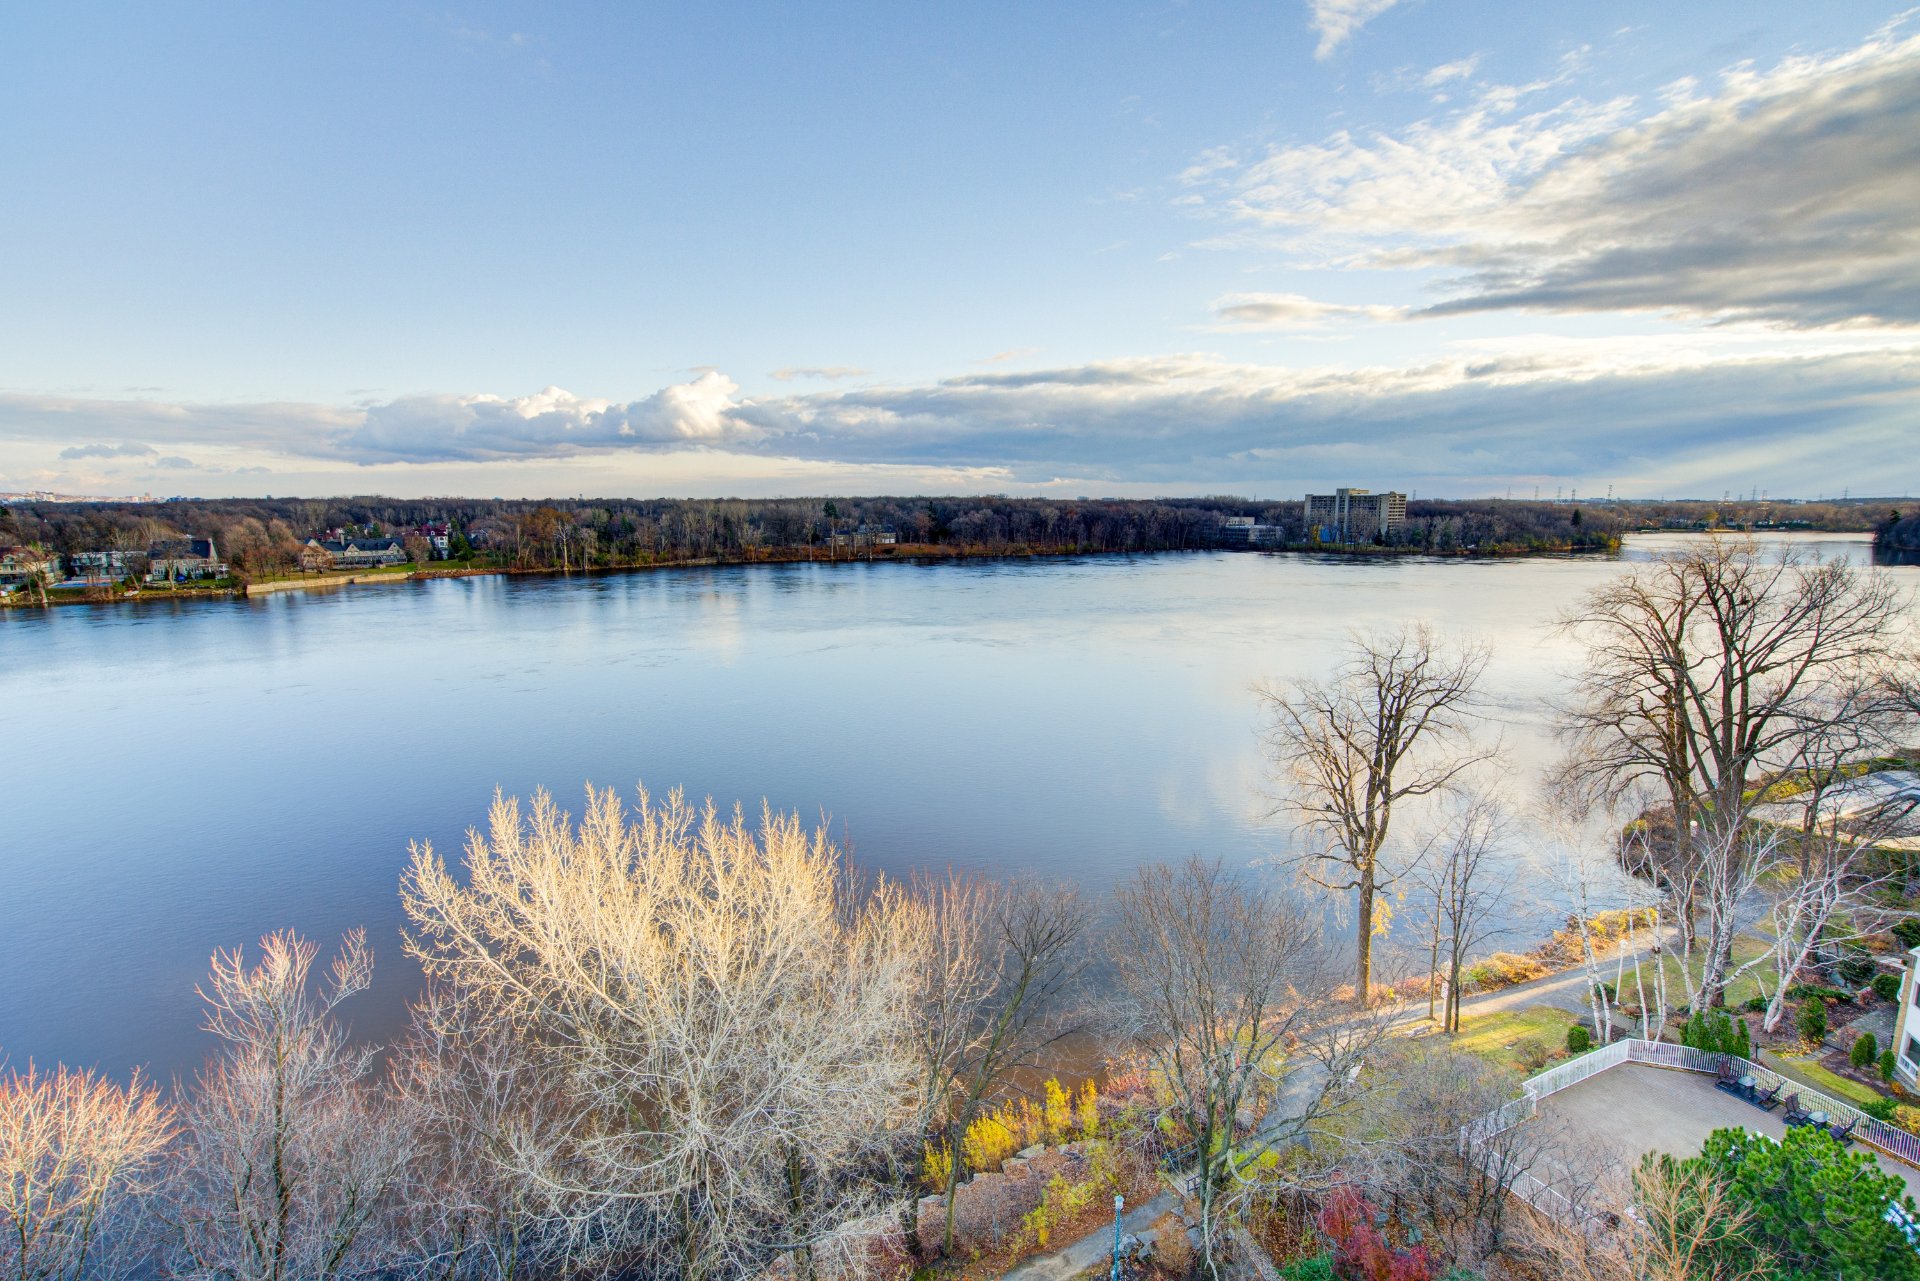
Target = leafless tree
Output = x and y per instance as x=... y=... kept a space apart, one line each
x=475 y=1100
x=1394 y=723
x=724 y=1018
x=1419 y=1139
x=75 y=1150
x=1465 y=899
x=1227 y=991
x=1000 y=964
x=1703 y=675
x=290 y=1153
x=1580 y=852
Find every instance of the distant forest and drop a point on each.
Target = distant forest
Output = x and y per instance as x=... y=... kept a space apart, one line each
x=262 y=536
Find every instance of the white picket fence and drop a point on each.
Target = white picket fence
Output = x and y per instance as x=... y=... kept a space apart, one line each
x=1475 y=1135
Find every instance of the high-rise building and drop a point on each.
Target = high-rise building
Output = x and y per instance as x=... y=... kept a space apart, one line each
x=1355 y=515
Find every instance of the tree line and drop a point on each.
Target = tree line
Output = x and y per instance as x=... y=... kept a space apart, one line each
x=263 y=535
x=667 y=1039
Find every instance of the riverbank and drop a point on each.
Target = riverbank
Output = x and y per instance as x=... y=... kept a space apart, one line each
x=907 y=553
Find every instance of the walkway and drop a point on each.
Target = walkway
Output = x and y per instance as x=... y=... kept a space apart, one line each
x=1092 y=1249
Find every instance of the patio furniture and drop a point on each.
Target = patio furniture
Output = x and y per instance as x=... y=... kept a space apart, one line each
x=1767 y=1100
x=1843 y=1133
x=1795 y=1114
x=1818 y=1117
x=1725 y=1078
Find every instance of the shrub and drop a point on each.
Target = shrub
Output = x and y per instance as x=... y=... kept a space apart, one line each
x=1880 y=1109
x=1756 y=1005
x=1359 y=1248
x=1907 y=930
x=1578 y=1041
x=1318 y=1268
x=1907 y=1118
x=1532 y=1052
x=1856 y=966
x=1886 y=986
x=1865 y=1051
x=936 y=1164
x=1509 y=968
x=1813 y=1020
x=1801 y=991
x=1886 y=1065
x=1717 y=1032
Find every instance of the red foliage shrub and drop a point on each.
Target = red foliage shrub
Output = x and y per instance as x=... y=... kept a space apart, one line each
x=1361 y=1252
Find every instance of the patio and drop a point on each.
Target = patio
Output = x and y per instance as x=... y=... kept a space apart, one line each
x=1632 y=1109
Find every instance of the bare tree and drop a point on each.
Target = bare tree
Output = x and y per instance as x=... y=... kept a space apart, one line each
x=74 y=1150
x=1391 y=725
x=289 y=1153
x=1703 y=675
x=1225 y=988
x=722 y=1014
x=1001 y=960
x=1465 y=900
x=1418 y=1137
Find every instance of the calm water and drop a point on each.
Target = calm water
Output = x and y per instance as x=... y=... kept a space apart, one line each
x=192 y=775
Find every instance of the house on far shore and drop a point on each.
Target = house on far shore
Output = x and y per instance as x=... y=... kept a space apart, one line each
x=20 y=565
x=1248 y=531
x=352 y=553
x=181 y=560
x=865 y=536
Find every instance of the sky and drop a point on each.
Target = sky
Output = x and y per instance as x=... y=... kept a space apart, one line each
x=1453 y=248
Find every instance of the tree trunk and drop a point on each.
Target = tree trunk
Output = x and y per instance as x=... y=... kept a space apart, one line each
x=1363 y=969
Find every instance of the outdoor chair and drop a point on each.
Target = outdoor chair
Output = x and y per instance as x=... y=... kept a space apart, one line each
x=1844 y=1133
x=1767 y=1100
x=1795 y=1114
x=1726 y=1078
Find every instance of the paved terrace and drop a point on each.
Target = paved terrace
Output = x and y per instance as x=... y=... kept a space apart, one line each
x=1633 y=1109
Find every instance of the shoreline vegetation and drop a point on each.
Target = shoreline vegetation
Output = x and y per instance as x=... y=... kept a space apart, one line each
x=269 y=545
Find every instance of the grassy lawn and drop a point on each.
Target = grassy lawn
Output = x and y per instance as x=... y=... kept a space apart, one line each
x=1812 y=1074
x=1494 y=1036
x=1745 y=948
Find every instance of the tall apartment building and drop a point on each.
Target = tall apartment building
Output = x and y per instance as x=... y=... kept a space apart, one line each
x=1355 y=515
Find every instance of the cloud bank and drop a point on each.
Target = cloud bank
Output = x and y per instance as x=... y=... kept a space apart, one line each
x=1785 y=195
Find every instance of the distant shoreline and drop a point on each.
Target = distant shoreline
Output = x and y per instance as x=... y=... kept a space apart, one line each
x=911 y=553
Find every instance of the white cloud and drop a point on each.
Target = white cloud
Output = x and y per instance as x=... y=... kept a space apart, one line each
x=1446 y=72
x=1785 y=195
x=1291 y=311
x=1336 y=21
x=550 y=423
x=824 y=373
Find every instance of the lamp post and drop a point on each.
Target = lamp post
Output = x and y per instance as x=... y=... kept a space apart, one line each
x=1119 y=1203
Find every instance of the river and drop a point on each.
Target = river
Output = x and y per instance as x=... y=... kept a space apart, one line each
x=188 y=775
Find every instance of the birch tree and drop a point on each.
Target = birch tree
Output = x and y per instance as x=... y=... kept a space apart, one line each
x=1392 y=724
x=723 y=1011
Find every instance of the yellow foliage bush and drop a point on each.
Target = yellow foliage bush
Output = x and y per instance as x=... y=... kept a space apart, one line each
x=936 y=1163
x=1019 y=1124
x=1907 y=1118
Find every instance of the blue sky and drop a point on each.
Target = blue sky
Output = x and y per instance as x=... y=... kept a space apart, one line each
x=1175 y=248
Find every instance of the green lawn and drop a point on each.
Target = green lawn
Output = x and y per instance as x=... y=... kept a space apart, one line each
x=1748 y=985
x=1809 y=1073
x=1494 y=1037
